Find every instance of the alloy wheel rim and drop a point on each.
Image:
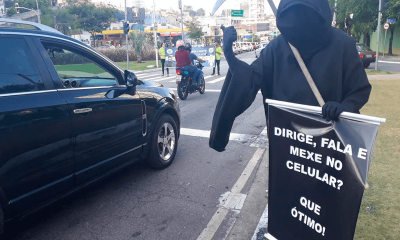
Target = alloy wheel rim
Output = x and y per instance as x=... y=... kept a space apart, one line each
x=166 y=141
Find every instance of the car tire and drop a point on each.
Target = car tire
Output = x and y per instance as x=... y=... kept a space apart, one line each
x=164 y=143
x=182 y=92
x=202 y=86
x=366 y=65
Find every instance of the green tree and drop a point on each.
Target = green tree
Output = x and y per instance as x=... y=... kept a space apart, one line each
x=200 y=12
x=194 y=31
x=364 y=20
x=91 y=18
x=11 y=11
x=392 y=12
x=138 y=40
x=44 y=5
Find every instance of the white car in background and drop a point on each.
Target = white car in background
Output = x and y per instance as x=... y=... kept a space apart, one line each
x=258 y=50
x=237 y=48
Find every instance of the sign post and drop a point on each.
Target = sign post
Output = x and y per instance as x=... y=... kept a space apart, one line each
x=236 y=13
x=386 y=26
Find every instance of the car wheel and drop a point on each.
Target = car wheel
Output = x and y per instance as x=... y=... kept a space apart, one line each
x=202 y=86
x=182 y=92
x=366 y=65
x=164 y=143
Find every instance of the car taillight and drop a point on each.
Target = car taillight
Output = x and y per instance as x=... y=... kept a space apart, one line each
x=178 y=72
x=374 y=55
x=361 y=56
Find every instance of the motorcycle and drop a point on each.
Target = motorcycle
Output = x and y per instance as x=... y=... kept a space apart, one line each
x=185 y=85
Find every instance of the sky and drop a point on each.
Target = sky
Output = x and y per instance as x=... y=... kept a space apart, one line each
x=207 y=5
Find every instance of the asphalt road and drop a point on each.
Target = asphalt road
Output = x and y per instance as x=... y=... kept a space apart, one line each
x=175 y=203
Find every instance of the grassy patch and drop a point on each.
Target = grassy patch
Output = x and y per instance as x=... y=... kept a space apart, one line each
x=378 y=72
x=138 y=66
x=379 y=216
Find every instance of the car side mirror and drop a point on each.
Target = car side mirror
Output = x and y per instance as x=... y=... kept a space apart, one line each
x=130 y=79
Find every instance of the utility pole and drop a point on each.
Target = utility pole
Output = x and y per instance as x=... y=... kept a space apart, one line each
x=378 y=36
x=155 y=32
x=126 y=38
x=37 y=8
x=180 y=7
x=334 y=14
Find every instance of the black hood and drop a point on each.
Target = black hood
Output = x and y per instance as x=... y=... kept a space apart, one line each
x=306 y=24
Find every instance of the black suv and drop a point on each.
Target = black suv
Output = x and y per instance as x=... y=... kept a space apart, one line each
x=69 y=115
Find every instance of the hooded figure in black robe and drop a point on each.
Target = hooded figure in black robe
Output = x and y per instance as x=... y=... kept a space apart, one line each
x=329 y=54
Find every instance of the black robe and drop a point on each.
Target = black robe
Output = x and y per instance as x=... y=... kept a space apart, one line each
x=336 y=69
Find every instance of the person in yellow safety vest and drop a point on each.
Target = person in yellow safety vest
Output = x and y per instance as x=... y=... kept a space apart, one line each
x=161 y=53
x=218 y=52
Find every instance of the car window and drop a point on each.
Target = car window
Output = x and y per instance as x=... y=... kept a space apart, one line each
x=76 y=70
x=363 y=48
x=18 y=71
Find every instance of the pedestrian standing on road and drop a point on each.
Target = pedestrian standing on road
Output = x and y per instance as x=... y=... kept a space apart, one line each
x=330 y=55
x=161 y=53
x=218 y=52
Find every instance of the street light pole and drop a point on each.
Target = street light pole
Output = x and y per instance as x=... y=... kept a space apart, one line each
x=334 y=15
x=180 y=6
x=155 y=32
x=37 y=11
x=378 y=35
x=126 y=39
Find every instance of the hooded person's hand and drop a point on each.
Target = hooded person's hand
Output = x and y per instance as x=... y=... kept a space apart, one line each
x=230 y=36
x=332 y=110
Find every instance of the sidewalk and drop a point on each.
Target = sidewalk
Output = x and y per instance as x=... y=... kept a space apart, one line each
x=248 y=225
x=384 y=77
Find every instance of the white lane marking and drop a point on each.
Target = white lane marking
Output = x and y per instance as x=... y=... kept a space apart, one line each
x=270 y=237
x=217 y=80
x=144 y=75
x=207 y=90
x=389 y=62
x=164 y=78
x=234 y=198
x=262 y=223
x=258 y=141
x=207 y=77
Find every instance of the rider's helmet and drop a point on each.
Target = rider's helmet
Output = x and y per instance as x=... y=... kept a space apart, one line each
x=188 y=47
x=180 y=44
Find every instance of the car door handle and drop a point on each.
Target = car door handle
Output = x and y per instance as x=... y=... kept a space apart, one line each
x=82 y=110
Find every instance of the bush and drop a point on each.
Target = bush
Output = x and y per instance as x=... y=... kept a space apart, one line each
x=119 y=55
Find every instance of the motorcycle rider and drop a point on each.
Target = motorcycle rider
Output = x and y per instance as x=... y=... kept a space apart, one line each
x=193 y=57
x=183 y=59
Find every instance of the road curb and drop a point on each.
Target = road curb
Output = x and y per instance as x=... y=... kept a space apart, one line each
x=254 y=206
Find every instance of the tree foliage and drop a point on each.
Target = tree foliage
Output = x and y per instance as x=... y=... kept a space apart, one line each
x=194 y=31
x=393 y=11
x=91 y=18
x=11 y=11
x=138 y=41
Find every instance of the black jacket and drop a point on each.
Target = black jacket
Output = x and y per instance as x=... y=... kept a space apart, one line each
x=335 y=67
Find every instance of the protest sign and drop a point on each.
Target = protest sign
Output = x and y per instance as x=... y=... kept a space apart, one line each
x=205 y=53
x=317 y=171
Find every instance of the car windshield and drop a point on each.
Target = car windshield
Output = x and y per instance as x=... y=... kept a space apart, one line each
x=363 y=48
